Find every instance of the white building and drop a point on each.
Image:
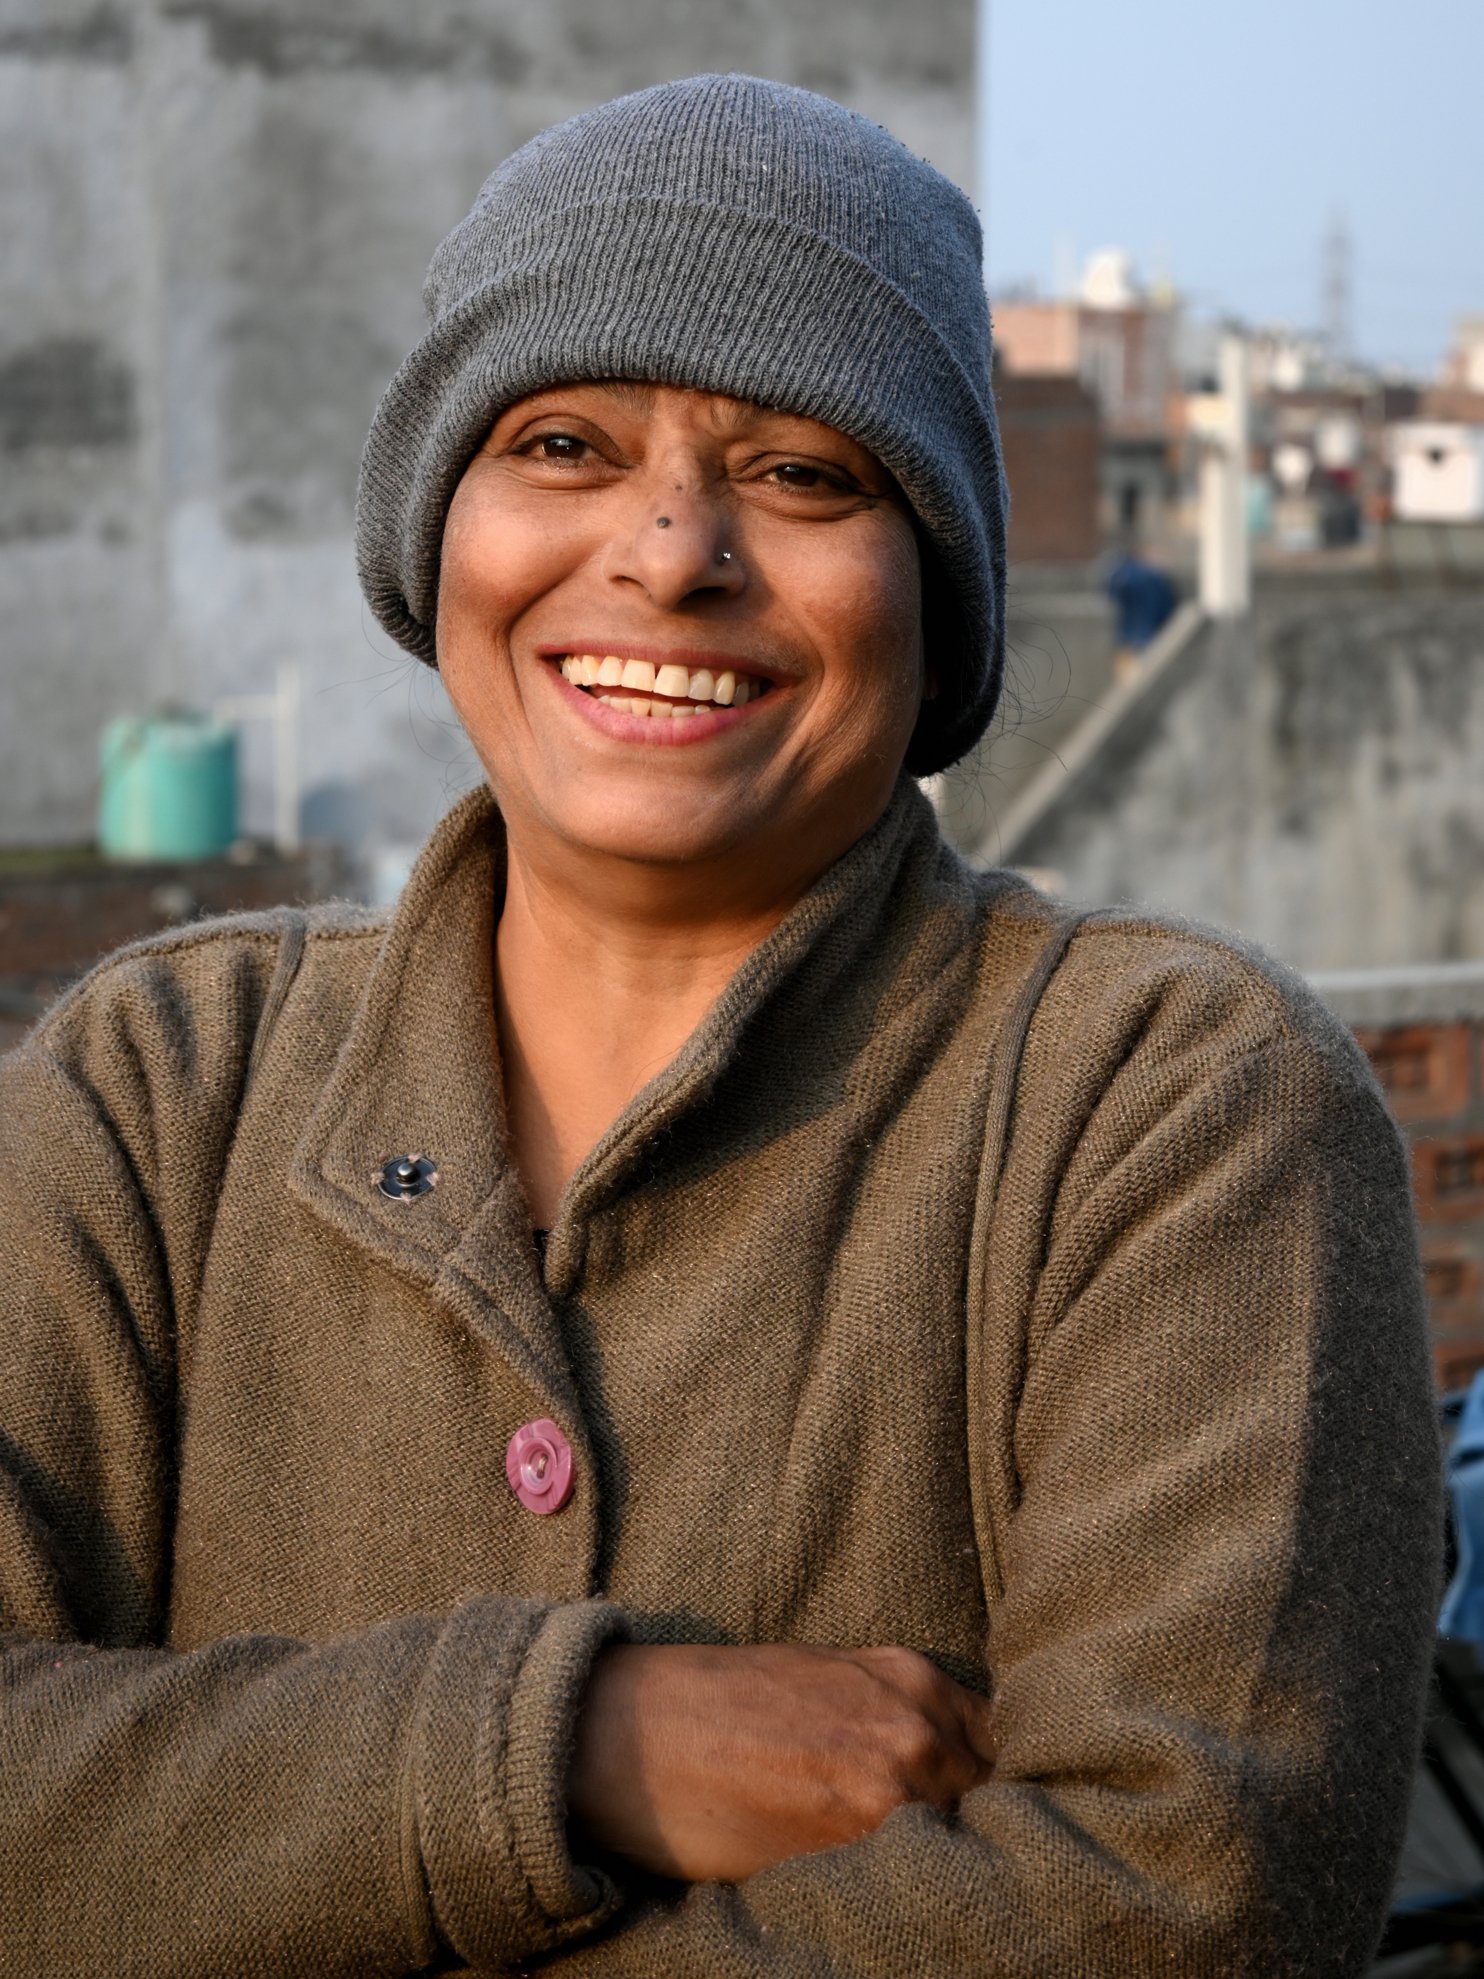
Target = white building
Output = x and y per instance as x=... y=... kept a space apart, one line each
x=1439 y=471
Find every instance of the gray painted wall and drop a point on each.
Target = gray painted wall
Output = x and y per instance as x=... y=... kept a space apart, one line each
x=214 y=220
x=1312 y=777
x=1059 y=646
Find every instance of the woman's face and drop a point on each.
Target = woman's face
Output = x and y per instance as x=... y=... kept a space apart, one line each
x=679 y=627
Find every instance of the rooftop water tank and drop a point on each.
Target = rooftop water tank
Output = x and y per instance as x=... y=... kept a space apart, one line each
x=169 y=787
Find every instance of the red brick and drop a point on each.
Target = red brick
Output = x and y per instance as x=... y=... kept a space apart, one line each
x=1425 y=1070
x=1448 y=1176
x=1454 y=1280
x=1455 y=1363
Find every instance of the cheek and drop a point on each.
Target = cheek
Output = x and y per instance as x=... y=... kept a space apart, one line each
x=475 y=569
x=492 y=567
x=875 y=616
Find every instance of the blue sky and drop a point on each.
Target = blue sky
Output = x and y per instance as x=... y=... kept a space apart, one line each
x=1216 y=142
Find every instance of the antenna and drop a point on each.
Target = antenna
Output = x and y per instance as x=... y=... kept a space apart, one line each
x=1336 y=289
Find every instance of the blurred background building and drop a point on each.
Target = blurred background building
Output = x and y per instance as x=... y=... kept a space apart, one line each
x=214 y=220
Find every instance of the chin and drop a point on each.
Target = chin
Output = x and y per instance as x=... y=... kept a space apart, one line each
x=655 y=828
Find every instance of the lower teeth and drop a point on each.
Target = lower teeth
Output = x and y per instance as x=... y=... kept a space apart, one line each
x=672 y=710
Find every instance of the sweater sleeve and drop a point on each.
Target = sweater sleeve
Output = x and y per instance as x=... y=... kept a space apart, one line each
x=261 y=1804
x=1216 y=1536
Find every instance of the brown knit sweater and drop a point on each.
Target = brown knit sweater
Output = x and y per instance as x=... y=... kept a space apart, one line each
x=290 y=1674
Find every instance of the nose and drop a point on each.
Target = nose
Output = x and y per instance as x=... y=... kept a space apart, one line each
x=677 y=544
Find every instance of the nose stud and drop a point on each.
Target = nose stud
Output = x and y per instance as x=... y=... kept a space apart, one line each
x=663 y=522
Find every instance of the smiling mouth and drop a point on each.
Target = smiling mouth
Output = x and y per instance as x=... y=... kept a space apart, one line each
x=673 y=692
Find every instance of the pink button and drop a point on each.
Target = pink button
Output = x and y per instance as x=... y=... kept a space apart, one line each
x=538 y=1463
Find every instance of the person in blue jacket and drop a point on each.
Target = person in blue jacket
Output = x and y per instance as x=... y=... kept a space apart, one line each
x=1144 y=600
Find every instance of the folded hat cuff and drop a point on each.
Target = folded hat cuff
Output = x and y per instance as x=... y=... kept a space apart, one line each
x=717 y=300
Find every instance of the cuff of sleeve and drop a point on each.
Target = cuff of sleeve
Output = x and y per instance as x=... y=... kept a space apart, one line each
x=490 y=1774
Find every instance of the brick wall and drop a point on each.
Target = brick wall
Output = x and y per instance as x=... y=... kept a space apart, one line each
x=59 y=913
x=1430 y=1062
x=1049 y=433
x=1431 y=1076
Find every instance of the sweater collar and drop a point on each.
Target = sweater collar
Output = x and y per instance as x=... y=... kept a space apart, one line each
x=419 y=1073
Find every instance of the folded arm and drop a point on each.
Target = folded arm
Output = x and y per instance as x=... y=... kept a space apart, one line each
x=1214 y=1567
x=258 y=1804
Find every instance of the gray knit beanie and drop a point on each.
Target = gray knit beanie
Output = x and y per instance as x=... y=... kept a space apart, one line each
x=730 y=235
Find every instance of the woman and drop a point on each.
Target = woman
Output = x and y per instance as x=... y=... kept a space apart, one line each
x=722 y=1395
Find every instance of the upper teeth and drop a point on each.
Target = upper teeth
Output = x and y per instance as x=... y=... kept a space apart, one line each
x=676 y=683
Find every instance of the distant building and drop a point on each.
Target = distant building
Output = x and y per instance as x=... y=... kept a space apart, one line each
x=1050 y=435
x=1463 y=368
x=1283 y=360
x=1439 y=471
x=1120 y=342
x=1036 y=336
x=1322 y=445
x=1456 y=403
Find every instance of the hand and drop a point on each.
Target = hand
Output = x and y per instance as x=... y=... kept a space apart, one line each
x=707 y=1764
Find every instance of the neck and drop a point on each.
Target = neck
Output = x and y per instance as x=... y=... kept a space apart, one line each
x=603 y=970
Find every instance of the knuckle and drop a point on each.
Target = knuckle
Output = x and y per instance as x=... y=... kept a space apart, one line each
x=918 y=1749
x=902 y=1669
x=907 y=1663
x=877 y=1797
x=859 y=1801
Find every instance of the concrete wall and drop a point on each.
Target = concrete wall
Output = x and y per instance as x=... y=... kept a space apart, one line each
x=214 y=220
x=1058 y=661
x=1311 y=776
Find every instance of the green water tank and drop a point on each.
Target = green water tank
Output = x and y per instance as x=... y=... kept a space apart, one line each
x=169 y=787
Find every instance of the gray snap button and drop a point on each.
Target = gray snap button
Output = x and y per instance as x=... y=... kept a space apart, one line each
x=406 y=1177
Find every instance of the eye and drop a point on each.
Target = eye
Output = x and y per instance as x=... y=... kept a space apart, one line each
x=806 y=477
x=797 y=474
x=566 y=447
